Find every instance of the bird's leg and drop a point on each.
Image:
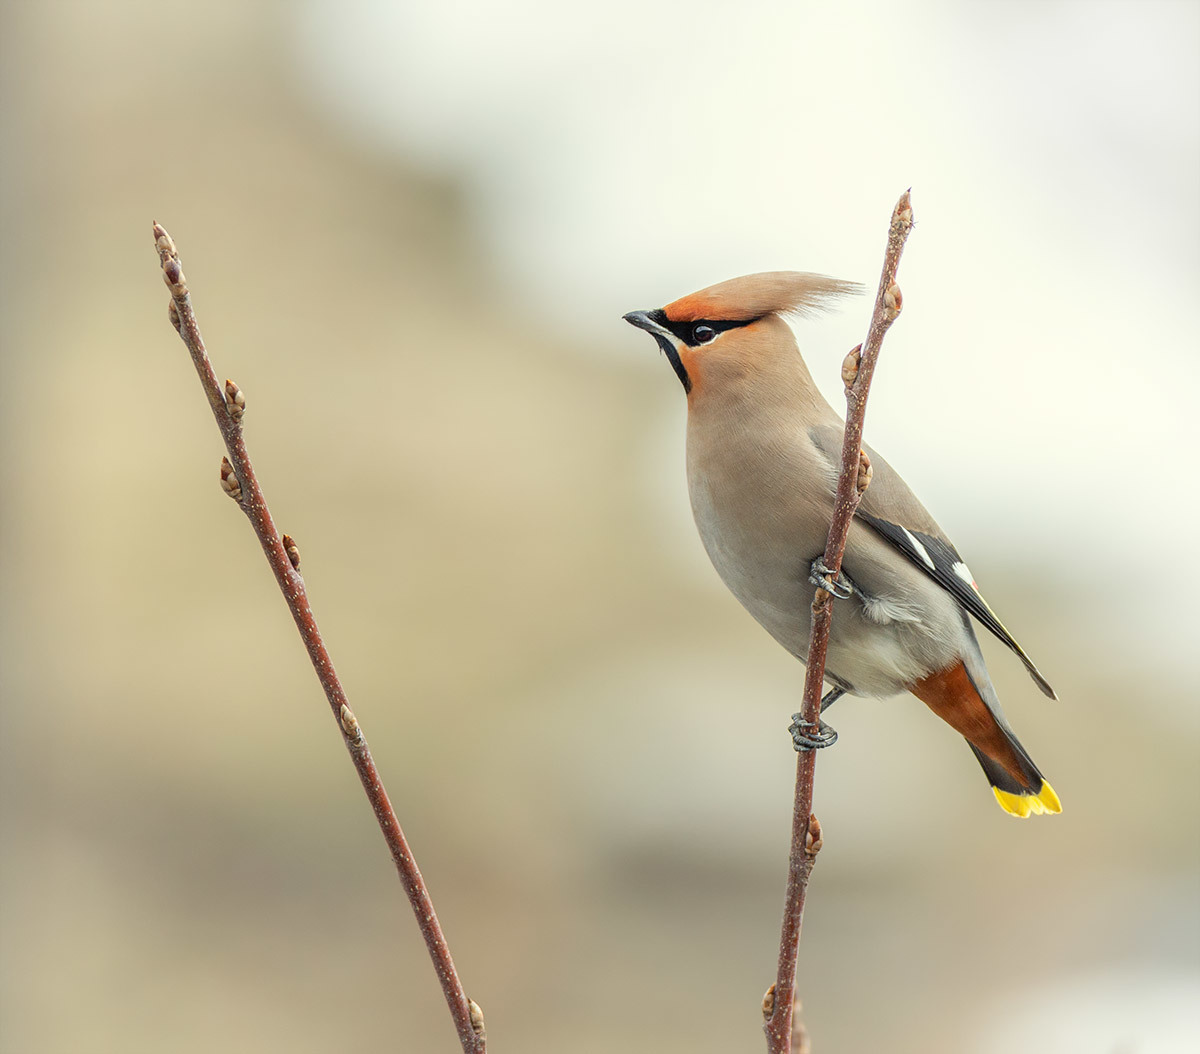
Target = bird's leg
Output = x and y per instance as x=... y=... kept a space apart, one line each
x=803 y=737
x=820 y=576
x=831 y=697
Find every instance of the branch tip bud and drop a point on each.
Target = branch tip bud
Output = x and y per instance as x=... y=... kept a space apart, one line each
x=229 y=481
x=164 y=243
x=168 y=256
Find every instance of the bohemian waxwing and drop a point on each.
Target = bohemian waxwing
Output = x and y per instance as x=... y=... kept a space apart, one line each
x=763 y=458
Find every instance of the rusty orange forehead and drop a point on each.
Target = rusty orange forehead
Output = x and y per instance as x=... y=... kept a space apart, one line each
x=756 y=295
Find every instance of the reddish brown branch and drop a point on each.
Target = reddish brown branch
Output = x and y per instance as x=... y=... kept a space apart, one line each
x=855 y=476
x=239 y=481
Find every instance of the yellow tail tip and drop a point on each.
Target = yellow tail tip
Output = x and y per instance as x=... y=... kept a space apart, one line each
x=1022 y=805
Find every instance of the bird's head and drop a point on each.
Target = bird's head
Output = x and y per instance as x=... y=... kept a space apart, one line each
x=736 y=325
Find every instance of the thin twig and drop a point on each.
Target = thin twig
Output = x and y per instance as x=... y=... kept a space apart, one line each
x=239 y=481
x=855 y=475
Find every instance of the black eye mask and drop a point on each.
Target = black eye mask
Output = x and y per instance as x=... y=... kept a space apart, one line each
x=699 y=332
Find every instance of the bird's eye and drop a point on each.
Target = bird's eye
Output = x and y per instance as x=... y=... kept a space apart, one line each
x=704 y=335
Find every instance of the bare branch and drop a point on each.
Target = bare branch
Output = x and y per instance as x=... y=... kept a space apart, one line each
x=240 y=483
x=857 y=370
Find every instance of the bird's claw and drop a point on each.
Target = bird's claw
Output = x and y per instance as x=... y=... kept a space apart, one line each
x=807 y=736
x=823 y=578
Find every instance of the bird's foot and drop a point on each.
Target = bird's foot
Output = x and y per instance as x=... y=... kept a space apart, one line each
x=820 y=576
x=807 y=736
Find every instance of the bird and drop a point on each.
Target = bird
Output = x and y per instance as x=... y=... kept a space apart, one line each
x=764 y=451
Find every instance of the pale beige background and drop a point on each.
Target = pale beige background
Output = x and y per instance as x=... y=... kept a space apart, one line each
x=411 y=231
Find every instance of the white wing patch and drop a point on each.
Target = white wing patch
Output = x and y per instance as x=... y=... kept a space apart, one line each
x=923 y=553
x=963 y=572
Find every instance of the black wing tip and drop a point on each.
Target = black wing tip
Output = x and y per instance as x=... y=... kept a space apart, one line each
x=1033 y=671
x=1044 y=685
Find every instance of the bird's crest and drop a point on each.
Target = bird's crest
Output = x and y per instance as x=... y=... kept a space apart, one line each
x=755 y=295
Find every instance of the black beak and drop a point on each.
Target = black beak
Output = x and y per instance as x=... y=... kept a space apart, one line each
x=642 y=320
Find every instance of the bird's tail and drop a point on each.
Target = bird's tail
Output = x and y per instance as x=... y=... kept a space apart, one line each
x=1030 y=798
x=963 y=697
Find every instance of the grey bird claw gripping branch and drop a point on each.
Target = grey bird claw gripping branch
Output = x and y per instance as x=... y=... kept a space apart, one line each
x=823 y=578
x=803 y=738
x=825 y=735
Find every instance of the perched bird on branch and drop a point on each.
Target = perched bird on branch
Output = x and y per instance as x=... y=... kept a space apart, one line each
x=763 y=457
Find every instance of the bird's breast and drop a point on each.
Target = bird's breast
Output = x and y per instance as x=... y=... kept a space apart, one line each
x=763 y=510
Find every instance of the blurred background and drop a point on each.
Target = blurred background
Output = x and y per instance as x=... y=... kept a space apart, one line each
x=410 y=230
